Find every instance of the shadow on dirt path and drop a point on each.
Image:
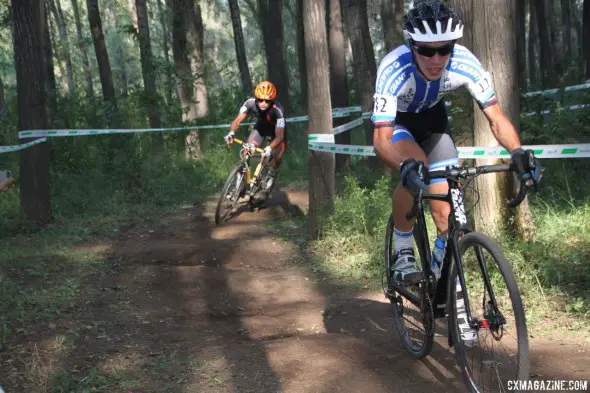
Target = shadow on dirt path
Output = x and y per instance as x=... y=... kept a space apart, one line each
x=188 y=306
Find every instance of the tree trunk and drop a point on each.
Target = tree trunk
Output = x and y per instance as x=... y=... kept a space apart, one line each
x=566 y=16
x=165 y=48
x=586 y=37
x=463 y=131
x=577 y=20
x=338 y=77
x=271 y=20
x=49 y=74
x=498 y=58
x=301 y=53
x=65 y=45
x=545 y=44
x=236 y=22
x=388 y=19
x=57 y=53
x=132 y=14
x=102 y=57
x=187 y=46
x=120 y=56
x=83 y=49
x=29 y=21
x=365 y=68
x=196 y=57
x=521 y=47
x=147 y=69
x=181 y=63
x=321 y=164
x=533 y=42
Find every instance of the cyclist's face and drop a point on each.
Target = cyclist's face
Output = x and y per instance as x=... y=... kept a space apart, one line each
x=432 y=66
x=263 y=104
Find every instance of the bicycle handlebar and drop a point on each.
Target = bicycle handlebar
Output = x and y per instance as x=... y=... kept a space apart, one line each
x=462 y=173
x=241 y=142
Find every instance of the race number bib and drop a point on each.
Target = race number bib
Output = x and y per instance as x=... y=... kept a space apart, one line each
x=384 y=105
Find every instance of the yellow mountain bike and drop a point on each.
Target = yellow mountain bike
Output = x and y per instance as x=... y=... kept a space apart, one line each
x=241 y=183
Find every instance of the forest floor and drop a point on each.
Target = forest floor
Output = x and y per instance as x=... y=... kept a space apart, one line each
x=182 y=305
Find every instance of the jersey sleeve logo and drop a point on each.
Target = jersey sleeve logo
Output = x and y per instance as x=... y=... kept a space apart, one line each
x=281 y=123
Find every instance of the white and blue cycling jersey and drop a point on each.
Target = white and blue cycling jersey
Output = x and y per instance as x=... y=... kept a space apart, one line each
x=400 y=88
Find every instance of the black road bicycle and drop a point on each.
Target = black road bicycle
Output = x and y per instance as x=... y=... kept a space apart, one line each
x=476 y=292
x=241 y=183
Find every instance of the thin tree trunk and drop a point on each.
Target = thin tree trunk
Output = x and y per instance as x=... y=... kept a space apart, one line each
x=464 y=134
x=365 y=68
x=65 y=45
x=586 y=37
x=102 y=57
x=521 y=49
x=55 y=50
x=181 y=63
x=29 y=29
x=338 y=77
x=545 y=44
x=196 y=57
x=236 y=22
x=321 y=164
x=132 y=14
x=388 y=13
x=49 y=74
x=498 y=58
x=556 y=36
x=271 y=19
x=147 y=68
x=120 y=56
x=301 y=53
x=83 y=49
x=566 y=16
x=533 y=42
x=165 y=48
x=187 y=46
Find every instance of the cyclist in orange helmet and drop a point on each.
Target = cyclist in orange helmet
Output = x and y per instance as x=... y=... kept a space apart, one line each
x=269 y=124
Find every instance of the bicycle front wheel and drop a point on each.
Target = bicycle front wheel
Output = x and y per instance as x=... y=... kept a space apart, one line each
x=410 y=304
x=231 y=192
x=497 y=351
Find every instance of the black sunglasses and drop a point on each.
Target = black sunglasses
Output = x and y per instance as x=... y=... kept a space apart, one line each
x=429 y=52
x=267 y=101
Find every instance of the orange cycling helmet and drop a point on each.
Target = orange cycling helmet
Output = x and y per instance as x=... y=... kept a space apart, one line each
x=265 y=91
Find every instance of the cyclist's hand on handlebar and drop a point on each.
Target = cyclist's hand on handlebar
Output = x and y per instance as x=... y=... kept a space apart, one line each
x=267 y=152
x=412 y=173
x=229 y=138
x=527 y=166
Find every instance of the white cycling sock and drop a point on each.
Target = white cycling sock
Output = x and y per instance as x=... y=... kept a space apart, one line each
x=403 y=239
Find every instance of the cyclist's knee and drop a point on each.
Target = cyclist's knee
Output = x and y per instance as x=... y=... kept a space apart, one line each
x=408 y=148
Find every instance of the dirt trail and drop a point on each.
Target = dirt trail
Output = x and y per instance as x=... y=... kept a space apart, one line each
x=195 y=307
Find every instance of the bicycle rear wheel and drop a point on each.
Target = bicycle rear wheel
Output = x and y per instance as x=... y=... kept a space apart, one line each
x=498 y=352
x=411 y=306
x=230 y=193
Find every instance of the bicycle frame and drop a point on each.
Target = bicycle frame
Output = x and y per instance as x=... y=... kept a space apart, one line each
x=251 y=181
x=458 y=225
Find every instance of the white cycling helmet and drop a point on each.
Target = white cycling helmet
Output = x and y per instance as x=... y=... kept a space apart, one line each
x=432 y=21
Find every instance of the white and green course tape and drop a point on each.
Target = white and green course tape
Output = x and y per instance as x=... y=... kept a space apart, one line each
x=325 y=143
x=7 y=149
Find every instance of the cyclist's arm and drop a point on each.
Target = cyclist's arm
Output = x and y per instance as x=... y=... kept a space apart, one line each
x=385 y=150
x=235 y=124
x=279 y=128
x=502 y=127
x=280 y=136
x=5 y=183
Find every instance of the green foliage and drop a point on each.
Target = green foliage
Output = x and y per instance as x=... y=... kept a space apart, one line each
x=62 y=382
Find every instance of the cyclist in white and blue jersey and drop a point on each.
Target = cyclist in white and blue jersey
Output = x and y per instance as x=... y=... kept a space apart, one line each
x=411 y=124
